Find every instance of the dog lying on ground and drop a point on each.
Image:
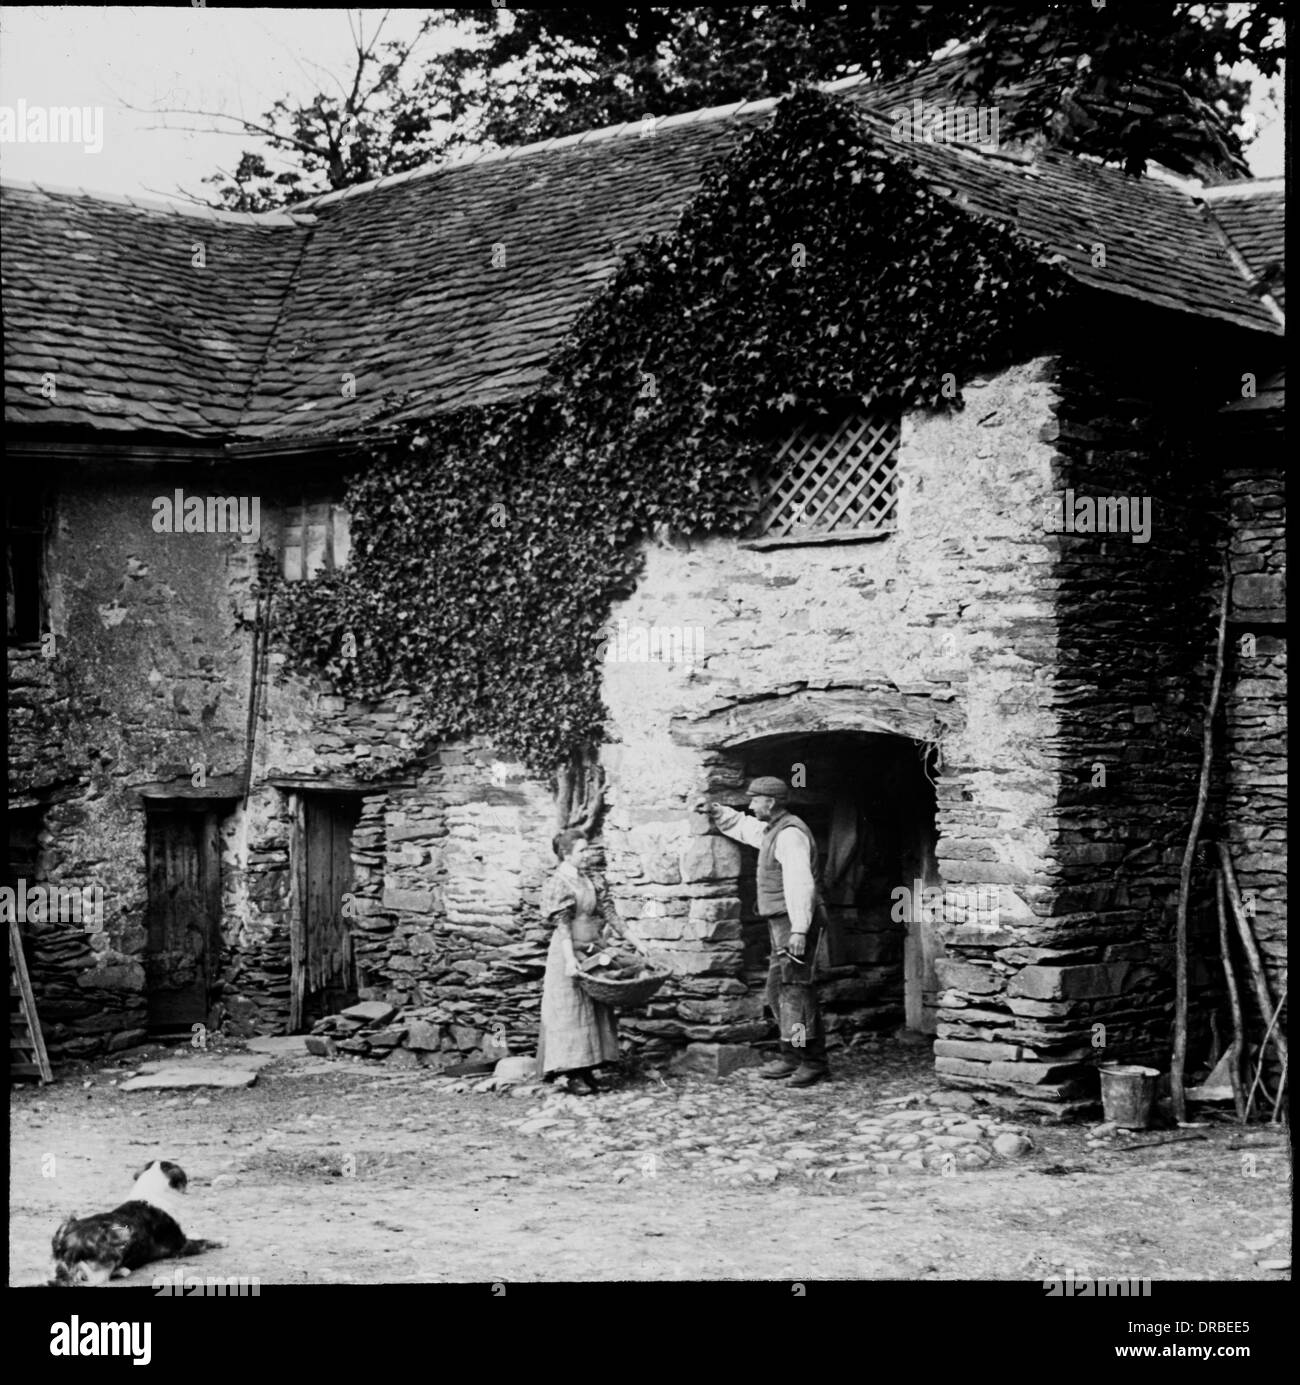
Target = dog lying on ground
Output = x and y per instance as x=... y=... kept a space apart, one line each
x=109 y=1245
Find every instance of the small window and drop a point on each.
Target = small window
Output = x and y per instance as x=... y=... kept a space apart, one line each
x=831 y=482
x=24 y=564
x=316 y=539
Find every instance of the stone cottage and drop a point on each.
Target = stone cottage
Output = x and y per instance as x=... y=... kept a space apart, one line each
x=978 y=643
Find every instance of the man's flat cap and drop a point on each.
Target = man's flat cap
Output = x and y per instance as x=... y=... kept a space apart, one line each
x=769 y=786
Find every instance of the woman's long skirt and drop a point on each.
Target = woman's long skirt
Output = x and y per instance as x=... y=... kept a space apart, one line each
x=576 y=1031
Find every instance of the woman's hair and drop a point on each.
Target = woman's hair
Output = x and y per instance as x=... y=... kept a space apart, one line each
x=562 y=842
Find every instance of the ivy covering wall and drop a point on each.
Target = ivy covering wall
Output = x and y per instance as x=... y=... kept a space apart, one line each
x=812 y=271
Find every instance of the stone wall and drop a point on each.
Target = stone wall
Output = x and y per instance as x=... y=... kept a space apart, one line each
x=1254 y=760
x=146 y=676
x=931 y=635
x=449 y=857
x=449 y=874
x=942 y=634
x=928 y=637
x=1047 y=687
x=1092 y=980
x=252 y=994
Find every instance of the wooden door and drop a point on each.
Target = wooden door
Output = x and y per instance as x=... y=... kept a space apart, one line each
x=922 y=944
x=184 y=915
x=323 y=967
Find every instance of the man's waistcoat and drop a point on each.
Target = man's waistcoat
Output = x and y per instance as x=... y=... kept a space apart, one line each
x=771 y=892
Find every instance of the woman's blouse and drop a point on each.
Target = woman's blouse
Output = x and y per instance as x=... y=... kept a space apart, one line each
x=581 y=906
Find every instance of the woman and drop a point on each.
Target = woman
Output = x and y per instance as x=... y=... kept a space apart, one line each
x=578 y=1034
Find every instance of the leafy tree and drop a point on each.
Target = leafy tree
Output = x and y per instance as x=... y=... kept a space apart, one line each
x=1127 y=82
x=1130 y=83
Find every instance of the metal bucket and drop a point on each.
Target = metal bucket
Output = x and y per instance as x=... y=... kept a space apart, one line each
x=1128 y=1094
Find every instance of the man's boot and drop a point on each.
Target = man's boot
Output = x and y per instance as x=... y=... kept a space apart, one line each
x=783 y=1065
x=806 y=1075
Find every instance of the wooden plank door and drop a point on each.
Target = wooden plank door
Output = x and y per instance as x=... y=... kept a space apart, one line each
x=184 y=914
x=922 y=945
x=324 y=970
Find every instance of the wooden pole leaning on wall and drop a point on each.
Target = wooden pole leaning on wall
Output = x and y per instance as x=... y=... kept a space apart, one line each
x=1238 y=1044
x=1259 y=1069
x=1258 y=976
x=1178 y=1066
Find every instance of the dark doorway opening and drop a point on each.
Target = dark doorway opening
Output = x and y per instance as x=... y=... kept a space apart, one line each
x=23 y=862
x=26 y=507
x=323 y=966
x=183 y=851
x=869 y=800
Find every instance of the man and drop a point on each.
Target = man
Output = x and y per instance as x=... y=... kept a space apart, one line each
x=788 y=898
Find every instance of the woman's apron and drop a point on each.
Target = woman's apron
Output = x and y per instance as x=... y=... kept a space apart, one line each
x=576 y=1031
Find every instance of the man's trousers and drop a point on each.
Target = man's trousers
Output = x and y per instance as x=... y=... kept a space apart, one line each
x=792 y=994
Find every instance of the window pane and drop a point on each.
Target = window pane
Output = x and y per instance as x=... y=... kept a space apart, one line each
x=318 y=526
x=342 y=536
x=291 y=545
x=293 y=562
x=315 y=538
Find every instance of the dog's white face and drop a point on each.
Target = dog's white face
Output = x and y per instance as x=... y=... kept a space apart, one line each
x=160 y=1183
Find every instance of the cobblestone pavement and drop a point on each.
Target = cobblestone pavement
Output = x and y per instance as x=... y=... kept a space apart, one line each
x=871 y=1121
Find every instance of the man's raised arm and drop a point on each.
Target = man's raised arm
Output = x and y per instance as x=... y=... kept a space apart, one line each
x=739 y=826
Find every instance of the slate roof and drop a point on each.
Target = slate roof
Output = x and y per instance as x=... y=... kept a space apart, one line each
x=1253 y=215
x=102 y=293
x=393 y=283
x=1161 y=243
x=399 y=285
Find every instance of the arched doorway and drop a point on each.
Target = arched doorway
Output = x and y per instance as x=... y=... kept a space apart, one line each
x=869 y=799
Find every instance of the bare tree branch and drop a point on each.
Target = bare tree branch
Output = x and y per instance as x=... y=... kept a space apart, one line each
x=249 y=127
x=181 y=193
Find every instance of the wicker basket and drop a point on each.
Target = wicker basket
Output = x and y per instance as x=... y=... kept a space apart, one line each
x=623 y=995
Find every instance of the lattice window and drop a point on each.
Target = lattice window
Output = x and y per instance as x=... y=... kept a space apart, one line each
x=836 y=480
x=316 y=539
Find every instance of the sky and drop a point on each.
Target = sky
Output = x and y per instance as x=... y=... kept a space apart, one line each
x=118 y=57
x=232 y=60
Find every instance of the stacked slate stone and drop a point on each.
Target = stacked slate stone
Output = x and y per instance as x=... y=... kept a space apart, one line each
x=428 y=1037
x=254 y=991
x=74 y=1023
x=255 y=997
x=40 y=712
x=1026 y=1019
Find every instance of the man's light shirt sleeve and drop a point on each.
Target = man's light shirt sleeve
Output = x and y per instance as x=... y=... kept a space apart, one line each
x=796 y=877
x=739 y=826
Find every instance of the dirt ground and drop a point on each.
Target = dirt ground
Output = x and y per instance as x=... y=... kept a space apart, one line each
x=352 y=1173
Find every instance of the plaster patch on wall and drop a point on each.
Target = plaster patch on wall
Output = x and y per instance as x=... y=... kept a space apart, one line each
x=112 y=614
